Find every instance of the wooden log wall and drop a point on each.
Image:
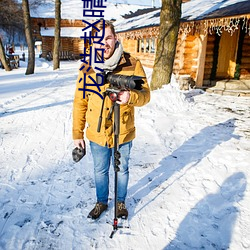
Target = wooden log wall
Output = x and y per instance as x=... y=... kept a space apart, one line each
x=209 y=57
x=131 y=46
x=78 y=46
x=179 y=60
x=146 y=59
x=245 y=60
x=73 y=45
x=186 y=55
x=190 y=56
x=50 y=22
x=47 y=45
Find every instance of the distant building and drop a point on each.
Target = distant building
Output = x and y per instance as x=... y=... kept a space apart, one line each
x=43 y=22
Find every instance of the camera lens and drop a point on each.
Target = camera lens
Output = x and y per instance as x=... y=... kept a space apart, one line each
x=113 y=96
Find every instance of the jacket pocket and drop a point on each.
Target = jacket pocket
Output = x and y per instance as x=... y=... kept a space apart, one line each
x=127 y=120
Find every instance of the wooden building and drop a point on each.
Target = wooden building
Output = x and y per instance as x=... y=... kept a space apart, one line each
x=211 y=45
x=71 y=44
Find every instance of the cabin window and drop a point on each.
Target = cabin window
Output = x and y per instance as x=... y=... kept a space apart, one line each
x=140 y=45
x=152 y=45
x=146 y=45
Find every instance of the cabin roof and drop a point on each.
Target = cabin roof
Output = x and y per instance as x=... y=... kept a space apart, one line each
x=208 y=9
x=194 y=10
x=73 y=10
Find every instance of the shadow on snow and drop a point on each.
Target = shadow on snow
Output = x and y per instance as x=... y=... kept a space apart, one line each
x=23 y=110
x=190 y=153
x=210 y=223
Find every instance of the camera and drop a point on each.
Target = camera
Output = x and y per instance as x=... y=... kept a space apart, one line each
x=124 y=82
x=121 y=82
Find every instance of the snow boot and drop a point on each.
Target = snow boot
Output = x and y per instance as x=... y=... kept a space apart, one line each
x=122 y=211
x=97 y=210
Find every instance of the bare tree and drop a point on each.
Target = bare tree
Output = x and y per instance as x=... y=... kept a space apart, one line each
x=56 y=59
x=3 y=57
x=169 y=27
x=11 y=16
x=28 y=33
x=11 y=24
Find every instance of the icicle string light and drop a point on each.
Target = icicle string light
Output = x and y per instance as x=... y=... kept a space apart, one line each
x=218 y=25
x=206 y=27
x=152 y=32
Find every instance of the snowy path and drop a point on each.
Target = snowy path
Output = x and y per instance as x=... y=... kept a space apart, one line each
x=189 y=170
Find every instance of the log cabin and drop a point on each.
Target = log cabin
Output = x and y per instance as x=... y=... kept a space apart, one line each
x=213 y=41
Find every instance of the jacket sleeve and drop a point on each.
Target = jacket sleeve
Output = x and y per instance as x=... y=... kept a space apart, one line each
x=139 y=98
x=80 y=106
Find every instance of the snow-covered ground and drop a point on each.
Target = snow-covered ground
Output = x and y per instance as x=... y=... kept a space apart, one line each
x=189 y=170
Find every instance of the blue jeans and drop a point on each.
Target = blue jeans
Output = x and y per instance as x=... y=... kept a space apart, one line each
x=102 y=158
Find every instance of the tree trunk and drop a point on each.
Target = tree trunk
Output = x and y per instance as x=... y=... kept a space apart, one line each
x=169 y=27
x=3 y=57
x=29 y=38
x=56 y=59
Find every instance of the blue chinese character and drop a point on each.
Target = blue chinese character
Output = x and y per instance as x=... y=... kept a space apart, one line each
x=89 y=4
x=99 y=3
x=99 y=58
x=89 y=37
x=99 y=76
x=93 y=13
x=85 y=55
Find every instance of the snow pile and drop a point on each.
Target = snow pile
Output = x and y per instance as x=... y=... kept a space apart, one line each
x=169 y=99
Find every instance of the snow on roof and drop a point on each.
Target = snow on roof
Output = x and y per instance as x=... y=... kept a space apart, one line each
x=197 y=9
x=145 y=20
x=65 y=31
x=73 y=10
x=192 y=10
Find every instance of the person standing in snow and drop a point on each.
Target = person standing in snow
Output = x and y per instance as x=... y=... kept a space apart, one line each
x=11 y=50
x=87 y=110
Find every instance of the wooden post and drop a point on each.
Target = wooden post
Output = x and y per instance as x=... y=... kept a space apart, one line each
x=145 y=45
x=201 y=60
x=140 y=41
x=149 y=45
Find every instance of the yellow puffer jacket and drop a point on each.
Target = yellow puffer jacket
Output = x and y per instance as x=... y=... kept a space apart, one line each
x=88 y=109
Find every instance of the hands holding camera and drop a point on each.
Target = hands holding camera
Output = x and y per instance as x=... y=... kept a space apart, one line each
x=123 y=97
